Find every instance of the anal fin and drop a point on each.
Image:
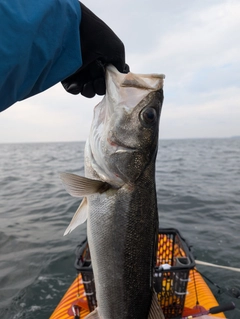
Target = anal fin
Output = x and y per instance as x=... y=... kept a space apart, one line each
x=93 y=315
x=155 y=309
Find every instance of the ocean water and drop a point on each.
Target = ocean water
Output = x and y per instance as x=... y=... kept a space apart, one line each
x=198 y=189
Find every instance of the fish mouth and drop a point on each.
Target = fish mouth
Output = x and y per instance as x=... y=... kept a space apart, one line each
x=120 y=147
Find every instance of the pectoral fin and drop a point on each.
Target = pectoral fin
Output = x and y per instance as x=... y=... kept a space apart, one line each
x=79 y=217
x=155 y=310
x=93 y=315
x=79 y=186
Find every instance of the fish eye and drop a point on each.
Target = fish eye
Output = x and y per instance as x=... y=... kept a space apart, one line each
x=149 y=115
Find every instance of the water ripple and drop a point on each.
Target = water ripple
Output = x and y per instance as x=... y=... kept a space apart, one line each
x=198 y=191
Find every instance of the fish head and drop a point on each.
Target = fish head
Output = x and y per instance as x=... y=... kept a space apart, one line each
x=124 y=134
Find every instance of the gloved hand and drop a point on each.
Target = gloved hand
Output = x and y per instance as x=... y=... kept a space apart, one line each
x=100 y=46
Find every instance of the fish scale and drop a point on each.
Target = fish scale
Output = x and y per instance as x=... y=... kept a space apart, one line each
x=118 y=261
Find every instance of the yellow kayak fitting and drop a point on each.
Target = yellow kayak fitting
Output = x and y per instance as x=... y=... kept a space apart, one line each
x=181 y=290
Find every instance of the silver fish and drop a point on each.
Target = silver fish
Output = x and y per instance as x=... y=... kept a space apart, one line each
x=120 y=196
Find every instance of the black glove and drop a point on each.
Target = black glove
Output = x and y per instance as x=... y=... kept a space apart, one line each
x=100 y=46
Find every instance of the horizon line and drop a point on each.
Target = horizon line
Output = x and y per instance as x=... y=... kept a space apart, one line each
x=160 y=139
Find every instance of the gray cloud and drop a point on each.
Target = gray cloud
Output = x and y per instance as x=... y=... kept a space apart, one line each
x=195 y=43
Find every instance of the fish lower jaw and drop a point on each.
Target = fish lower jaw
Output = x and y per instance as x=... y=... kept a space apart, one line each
x=119 y=147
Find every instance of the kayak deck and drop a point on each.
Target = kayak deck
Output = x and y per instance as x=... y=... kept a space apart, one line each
x=181 y=290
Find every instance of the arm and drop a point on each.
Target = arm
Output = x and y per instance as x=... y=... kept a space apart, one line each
x=48 y=41
x=37 y=38
x=100 y=46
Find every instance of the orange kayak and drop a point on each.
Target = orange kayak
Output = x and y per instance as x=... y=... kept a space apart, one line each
x=181 y=290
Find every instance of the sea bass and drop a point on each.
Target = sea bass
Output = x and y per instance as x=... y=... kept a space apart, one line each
x=120 y=195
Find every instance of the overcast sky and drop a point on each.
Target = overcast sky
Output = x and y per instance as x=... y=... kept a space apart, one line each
x=196 y=44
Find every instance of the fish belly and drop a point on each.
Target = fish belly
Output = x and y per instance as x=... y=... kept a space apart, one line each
x=121 y=232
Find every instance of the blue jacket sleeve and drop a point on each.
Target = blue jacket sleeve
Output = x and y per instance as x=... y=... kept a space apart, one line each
x=39 y=46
